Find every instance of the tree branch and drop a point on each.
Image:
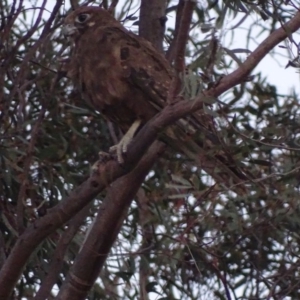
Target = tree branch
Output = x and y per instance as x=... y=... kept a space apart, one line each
x=106 y=227
x=170 y=52
x=183 y=35
x=152 y=22
x=59 y=254
x=180 y=42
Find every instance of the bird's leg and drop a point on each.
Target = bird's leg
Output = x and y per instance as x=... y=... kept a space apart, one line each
x=122 y=146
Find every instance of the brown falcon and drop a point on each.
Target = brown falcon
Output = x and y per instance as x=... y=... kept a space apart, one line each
x=127 y=80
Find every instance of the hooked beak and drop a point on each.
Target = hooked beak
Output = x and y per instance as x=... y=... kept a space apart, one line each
x=69 y=30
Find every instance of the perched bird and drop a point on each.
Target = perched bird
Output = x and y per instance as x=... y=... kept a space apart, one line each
x=125 y=78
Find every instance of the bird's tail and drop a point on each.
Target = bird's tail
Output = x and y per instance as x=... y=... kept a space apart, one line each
x=209 y=152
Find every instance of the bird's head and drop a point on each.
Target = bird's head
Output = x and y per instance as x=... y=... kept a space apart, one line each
x=83 y=18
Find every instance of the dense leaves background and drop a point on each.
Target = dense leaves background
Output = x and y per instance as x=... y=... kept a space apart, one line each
x=184 y=235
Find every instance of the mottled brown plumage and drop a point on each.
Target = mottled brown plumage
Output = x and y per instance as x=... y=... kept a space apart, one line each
x=125 y=78
x=109 y=64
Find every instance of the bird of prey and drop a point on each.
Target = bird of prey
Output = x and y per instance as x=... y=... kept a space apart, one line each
x=125 y=78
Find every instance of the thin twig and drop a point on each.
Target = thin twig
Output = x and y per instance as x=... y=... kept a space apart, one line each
x=113 y=5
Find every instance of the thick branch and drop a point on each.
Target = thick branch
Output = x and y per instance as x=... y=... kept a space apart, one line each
x=106 y=227
x=57 y=259
x=152 y=22
x=111 y=170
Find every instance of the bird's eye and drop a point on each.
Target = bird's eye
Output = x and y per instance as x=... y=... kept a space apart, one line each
x=82 y=18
